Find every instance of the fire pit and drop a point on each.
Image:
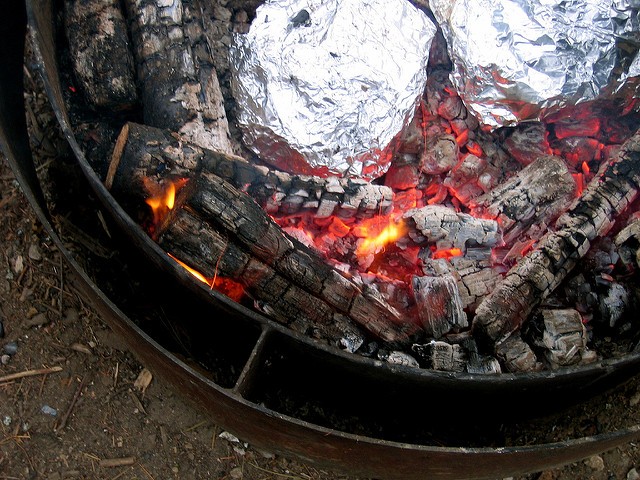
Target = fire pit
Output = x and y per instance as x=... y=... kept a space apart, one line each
x=322 y=394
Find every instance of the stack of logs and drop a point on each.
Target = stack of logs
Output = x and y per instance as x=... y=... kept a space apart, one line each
x=451 y=185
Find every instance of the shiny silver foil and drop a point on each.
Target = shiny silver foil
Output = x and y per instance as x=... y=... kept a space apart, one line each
x=322 y=86
x=520 y=60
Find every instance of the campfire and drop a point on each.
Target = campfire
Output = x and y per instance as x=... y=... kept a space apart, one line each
x=479 y=250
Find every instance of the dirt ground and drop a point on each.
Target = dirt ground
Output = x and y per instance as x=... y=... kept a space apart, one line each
x=90 y=410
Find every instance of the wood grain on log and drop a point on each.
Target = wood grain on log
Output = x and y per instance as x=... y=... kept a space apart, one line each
x=537 y=274
x=100 y=52
x=143 y=151
x=446 y=228
x=537 y=194
x=176 y=71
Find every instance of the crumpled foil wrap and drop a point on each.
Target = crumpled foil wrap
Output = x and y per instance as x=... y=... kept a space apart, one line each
x=322 y=86
x=518 y=60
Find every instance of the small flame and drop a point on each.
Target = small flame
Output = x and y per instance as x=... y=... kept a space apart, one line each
x=162 y=198
x=232 y=289
x=192 y=271
x=585 y=168
x=372 y=242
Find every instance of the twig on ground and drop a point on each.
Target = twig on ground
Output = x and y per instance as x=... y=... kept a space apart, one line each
x=117 y=462
x=65 y=417
x=29 y=373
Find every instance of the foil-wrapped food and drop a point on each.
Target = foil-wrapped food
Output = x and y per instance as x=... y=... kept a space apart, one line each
x=518 y=60
x=323 y=86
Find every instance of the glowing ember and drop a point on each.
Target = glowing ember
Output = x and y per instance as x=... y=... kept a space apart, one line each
x=232 y=289
x=447 y=253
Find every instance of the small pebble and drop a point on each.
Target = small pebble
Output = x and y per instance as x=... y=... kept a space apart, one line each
x=633 y=474
x=34 y=253
x=236 y=473
x=6 y=420
x=11 y=348
x=47 y=410
x=595 y=462
x=5 y=359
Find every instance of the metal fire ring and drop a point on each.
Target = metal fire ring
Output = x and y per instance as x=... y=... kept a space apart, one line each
x=238 y=408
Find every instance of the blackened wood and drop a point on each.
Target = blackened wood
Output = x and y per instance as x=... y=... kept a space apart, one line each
x=564 y=336
x=176 y=71
x=516 y=355
x=536 y=195
x=100 y=52
x=144 y=151
x=537 y=274
x=439 y=304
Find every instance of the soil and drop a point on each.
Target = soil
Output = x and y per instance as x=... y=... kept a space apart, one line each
x=99 y=414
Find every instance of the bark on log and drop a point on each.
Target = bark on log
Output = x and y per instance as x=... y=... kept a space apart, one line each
x=536 y=195
x=179 y=82
x=143 y=151
x=100 y=52
x=537 y=274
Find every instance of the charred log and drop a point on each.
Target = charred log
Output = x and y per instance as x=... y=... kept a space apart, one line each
x=176 y=71
x=142 y=151
x=538 y=274
x=97 y=34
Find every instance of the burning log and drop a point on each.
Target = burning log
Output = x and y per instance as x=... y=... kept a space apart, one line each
x=142 y=151
x=97 y=34
x=180 y=88
x=225 y=232
x=537 y=274
x=534 y=196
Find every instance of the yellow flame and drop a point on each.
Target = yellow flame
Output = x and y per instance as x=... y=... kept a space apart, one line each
x=388 y=234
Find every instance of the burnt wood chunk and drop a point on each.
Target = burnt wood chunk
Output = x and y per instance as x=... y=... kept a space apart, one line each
x=537 y=274
x=446 y=228
x=176 y=71
x=439 y=304
x=100 y=52
x=143 y=151
x=628 y=243
x=516 y=355
x=536 y=195
x=564 y=336
x=475 y=279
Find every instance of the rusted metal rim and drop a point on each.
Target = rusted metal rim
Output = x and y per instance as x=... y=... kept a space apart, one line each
x=233 y=408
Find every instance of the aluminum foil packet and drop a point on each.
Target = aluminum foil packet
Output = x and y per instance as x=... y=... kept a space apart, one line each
x=518 y=60
x=323 y=86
